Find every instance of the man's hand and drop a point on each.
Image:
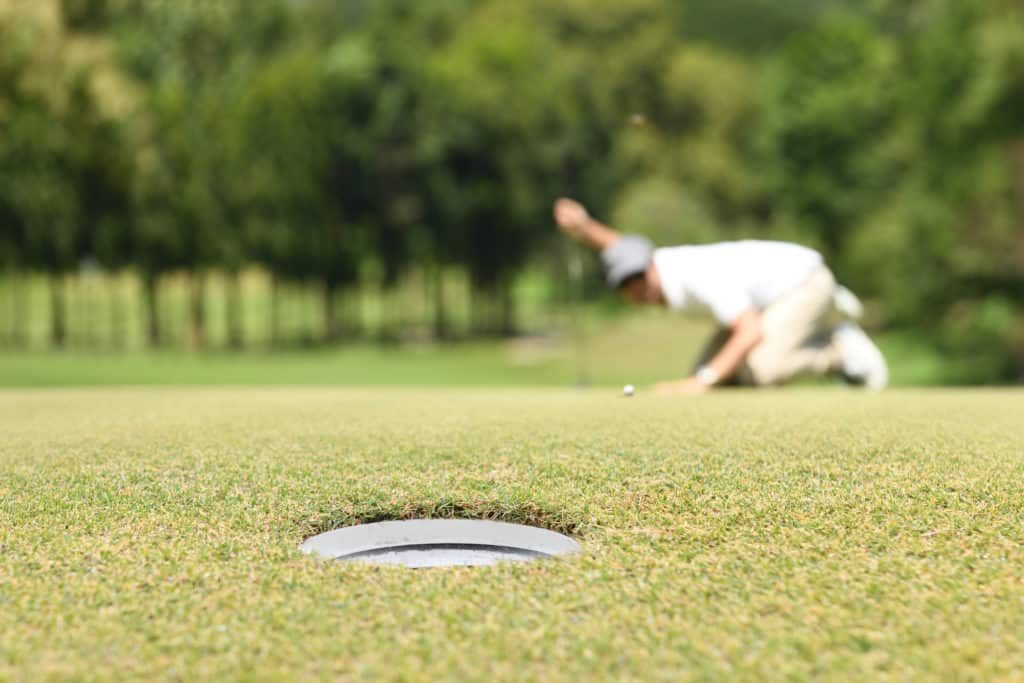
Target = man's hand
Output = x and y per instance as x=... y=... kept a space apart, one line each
x=574 y=221
x=571 y=217
x=686 y=387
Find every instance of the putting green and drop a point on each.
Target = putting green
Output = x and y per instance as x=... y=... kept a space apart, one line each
x=775 y=535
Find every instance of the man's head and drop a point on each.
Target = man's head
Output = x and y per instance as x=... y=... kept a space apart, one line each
x=629 y=268
x=643 y=288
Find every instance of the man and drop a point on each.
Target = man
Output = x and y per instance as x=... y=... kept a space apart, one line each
x=773 y=301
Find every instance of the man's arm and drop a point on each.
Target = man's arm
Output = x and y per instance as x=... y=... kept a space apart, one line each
x=574 y=220
x=747 y=332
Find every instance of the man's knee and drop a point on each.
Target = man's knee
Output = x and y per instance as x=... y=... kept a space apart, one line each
x=764 y=367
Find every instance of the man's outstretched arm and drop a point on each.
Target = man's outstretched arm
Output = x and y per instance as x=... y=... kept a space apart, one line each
x=747 y=333
x=573 y=219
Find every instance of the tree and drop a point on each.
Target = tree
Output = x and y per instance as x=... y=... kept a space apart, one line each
x=832 y=127
x=309 y=166
x=197 y=69
x=497 y=137
x=895 y=141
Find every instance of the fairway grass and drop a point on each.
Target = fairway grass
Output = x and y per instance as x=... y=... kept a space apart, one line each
x=811 y=533
x=640 y=348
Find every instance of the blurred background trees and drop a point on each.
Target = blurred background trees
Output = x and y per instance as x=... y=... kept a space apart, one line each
x=232 y=173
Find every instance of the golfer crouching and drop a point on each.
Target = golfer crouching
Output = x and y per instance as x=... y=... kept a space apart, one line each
x=773 y=301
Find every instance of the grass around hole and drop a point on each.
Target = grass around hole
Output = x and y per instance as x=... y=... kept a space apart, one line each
x=385 y=510
x=780 y=535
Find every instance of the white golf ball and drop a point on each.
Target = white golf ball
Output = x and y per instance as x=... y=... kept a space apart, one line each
x=628 y=390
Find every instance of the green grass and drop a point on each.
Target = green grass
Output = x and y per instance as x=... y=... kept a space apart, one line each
x=636 y=349
x=810 y=533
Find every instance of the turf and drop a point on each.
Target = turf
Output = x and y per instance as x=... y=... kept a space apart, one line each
x=741 y=536
x=659 y=347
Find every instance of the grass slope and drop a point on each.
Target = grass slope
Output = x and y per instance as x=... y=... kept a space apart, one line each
x=777 y=535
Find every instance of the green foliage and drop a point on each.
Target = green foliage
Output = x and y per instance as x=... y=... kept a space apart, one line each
x=85 y=15
x=830 y=126
x=753 y=26
x=665 y=212
x=486 y=97
x=899 y=150
x=354 y=142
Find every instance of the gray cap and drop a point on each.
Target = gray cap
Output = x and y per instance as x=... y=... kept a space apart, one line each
x=627 y=256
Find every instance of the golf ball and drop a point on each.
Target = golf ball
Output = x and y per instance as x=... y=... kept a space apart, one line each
x=628 y=390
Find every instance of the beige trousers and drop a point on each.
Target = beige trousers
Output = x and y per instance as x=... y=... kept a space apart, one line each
x=797 y=337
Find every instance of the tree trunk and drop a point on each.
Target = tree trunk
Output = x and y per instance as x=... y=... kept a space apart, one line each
x=352 y=308
x=80 y=318
x=117 y=316
x=19 y=310
x=476 y=311
x=150 y=303
x=58 y=312
x=386 y=316
x=72 y=306
x=441 y=331
x=330 y=328
x=7 y=337
x=197 y=311
x=508 y=308
x=275 y=311
x=93 y=321
x=483 y=311
x=1017 y=154
x=233 y=312
x=86 y=322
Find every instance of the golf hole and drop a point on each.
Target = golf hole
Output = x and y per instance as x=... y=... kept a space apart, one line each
x=422 y=543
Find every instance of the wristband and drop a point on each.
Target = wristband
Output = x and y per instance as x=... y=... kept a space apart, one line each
x=707 y=376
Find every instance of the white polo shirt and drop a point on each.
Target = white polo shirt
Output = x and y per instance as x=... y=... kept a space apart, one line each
x=727 y=278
